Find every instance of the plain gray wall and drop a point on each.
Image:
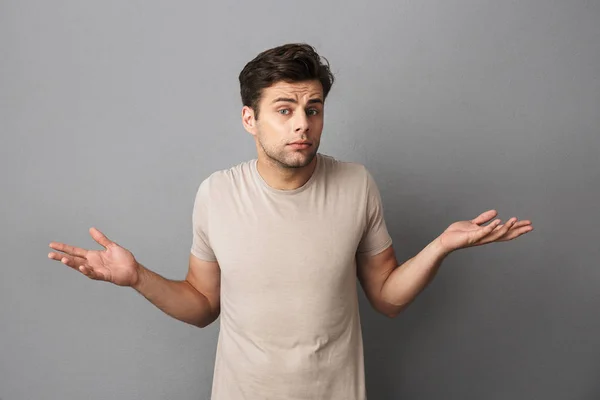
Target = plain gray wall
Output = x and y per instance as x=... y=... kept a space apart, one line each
x=112 y=113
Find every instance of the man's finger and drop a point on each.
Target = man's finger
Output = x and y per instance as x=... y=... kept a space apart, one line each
x=484 y=231
x=509 y=224
x=484 y=217
x=498 y=232
x=521 y=223
x=86 y=270
x=90 y=272
x=515 y=226
x=71 y=250
x=71 y=261
x=100 y=237
x=513 y=233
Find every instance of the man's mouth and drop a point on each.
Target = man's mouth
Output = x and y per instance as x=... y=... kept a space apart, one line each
x=300 y=144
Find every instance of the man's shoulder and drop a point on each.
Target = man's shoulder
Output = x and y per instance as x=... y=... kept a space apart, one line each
x=221 y=180
x=240 y=171
x=343 y=169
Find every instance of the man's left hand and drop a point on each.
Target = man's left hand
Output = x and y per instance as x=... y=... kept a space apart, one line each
x=464 y=234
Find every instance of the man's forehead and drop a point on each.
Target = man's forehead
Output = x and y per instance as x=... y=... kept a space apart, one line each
x=294 y=89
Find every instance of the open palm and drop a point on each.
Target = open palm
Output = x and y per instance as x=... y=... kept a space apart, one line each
x=463 y=234
x=113 y=264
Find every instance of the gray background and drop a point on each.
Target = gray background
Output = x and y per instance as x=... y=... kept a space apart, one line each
x=112 y=113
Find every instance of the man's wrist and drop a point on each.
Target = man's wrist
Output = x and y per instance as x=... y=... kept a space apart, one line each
x=140 y=277
x=439 y=248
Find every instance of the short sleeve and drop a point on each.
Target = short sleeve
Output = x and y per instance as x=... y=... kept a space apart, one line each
x=200 y=238
x=376 y=237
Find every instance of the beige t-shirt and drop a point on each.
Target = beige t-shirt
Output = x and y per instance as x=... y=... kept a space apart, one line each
x=290 y=326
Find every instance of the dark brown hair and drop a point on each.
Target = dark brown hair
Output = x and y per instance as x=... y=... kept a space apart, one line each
x=293 y=62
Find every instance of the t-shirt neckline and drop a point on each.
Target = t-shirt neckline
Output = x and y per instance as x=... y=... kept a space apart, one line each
x=306 y=185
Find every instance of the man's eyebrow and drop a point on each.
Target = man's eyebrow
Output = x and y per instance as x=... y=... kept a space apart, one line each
x=290 y=100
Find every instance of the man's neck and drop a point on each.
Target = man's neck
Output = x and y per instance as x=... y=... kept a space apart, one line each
x=281 y=178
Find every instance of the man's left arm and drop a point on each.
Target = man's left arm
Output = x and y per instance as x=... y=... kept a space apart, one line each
x=390 y=287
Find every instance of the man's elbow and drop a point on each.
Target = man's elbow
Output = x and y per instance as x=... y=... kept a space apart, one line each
x=202 y=324
x=206 y=321
x=385 y=307
x=391 y=310
x=386 y=310
x=391 y=314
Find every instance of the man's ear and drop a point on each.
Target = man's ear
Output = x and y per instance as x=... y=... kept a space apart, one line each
x=248 y=120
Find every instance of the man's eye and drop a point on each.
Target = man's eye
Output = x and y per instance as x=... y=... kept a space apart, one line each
x=284 y=111
x=312 y=111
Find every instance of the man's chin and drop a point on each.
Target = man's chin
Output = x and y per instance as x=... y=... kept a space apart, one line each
x=299 y=162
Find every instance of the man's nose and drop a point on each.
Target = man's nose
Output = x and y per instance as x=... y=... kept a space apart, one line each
x=301 y=122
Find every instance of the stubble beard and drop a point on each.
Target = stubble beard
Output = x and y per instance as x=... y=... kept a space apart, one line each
x=285 y=159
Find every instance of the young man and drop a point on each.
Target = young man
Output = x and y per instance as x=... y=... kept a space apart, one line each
x=278 y=243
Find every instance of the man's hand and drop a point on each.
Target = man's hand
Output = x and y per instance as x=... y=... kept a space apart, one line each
x=471 y=233
x=114 y=264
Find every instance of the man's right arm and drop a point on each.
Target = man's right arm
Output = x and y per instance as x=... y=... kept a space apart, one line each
x=195 y=300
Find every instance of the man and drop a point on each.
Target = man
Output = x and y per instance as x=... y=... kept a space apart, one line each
x=278 y=243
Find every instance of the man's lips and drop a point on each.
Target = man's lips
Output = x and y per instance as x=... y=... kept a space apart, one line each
x=300 y=145
x=301 y=142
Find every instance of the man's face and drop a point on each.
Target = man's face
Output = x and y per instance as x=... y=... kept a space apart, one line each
x=290 y=122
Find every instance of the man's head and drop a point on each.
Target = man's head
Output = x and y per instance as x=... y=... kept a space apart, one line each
x=283 y=92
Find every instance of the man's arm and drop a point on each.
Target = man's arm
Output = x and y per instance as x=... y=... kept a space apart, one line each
x=389 y=287
x=195 y=300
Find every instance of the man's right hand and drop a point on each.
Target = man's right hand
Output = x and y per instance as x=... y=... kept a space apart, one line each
x=113 y=264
